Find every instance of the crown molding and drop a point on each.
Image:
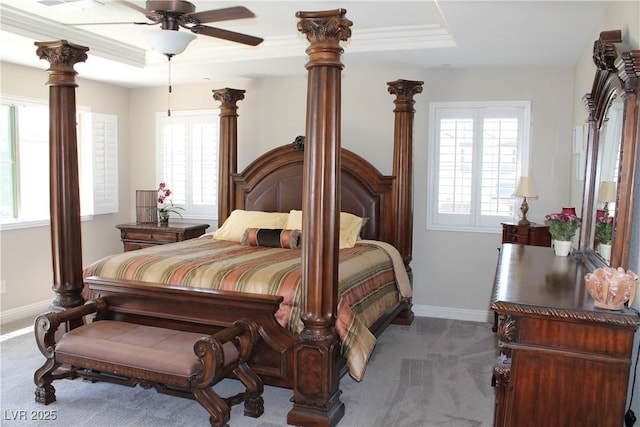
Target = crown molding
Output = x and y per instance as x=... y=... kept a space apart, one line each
x=18 y=22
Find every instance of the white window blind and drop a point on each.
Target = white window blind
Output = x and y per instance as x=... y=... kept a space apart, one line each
x=188 y=160
x=104 y=137
x=477 y=152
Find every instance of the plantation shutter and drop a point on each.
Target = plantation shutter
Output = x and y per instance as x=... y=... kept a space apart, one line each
x=104 y=130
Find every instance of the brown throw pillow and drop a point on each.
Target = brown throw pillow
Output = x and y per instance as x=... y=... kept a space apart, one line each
x=272 y=237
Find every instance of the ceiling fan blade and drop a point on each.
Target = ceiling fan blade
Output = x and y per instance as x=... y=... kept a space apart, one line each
x=80 y=24
x=227 y=35
x=217 y=15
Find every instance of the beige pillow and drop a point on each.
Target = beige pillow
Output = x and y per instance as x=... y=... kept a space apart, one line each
x=234 y=227
x=350 y=226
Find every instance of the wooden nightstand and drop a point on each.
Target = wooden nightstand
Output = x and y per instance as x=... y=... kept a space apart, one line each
x=532 y=234
x=137 y=236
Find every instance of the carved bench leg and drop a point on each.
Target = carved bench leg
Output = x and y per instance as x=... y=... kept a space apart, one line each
x=218 y=409
x=253 y=403
x=45 y=392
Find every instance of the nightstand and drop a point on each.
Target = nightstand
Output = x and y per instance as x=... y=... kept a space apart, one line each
x=532 y=234
x=137 y=236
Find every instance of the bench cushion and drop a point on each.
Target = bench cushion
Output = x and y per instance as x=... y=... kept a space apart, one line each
x=156 y=349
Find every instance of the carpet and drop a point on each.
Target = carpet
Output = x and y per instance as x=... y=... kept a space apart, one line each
x=434 y=373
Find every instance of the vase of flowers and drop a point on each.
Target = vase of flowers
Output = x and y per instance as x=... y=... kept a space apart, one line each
x=562 y=227
x=165 y=204
x=604 y=234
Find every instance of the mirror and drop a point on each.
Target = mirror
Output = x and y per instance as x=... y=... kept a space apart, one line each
x=611 y=152
x=606 y=178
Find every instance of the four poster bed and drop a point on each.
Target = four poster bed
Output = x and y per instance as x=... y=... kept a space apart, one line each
x=327 y=323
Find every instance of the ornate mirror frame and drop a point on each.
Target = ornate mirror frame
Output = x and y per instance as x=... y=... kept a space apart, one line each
x=617 y=76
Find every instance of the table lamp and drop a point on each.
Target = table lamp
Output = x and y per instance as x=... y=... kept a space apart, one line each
x=607 y=194
x=525 y=189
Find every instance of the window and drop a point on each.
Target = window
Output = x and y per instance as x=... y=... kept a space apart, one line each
x=477 y=151
x=24 y=162
x=188 y=160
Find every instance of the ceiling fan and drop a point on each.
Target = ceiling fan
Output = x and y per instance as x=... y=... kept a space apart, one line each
x=173 y=14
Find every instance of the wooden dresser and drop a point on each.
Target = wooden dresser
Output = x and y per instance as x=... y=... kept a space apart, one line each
x=562 y=361
x=136 y=236
x=532 y=234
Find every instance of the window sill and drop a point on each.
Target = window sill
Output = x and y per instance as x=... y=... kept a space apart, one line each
x=22 y=224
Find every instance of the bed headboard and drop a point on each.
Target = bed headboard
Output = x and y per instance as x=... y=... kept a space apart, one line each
x=273 y=183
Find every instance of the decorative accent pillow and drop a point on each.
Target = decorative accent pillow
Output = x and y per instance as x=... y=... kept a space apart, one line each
x=234 y=227
x=350 y=226
x=272 y=237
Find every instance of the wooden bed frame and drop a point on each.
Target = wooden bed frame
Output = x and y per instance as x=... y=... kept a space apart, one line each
x=282 y=179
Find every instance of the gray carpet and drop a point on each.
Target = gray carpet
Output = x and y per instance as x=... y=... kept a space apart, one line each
x=434 y=373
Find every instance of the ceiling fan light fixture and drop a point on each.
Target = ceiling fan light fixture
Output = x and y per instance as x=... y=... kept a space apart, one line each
x=170 y=42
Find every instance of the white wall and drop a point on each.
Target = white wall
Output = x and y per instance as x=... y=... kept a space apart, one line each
x=454 y=271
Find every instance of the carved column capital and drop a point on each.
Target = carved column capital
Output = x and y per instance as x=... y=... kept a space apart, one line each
x=228 y=97
x=324 y=30
x=62 y=56
x=404 y=90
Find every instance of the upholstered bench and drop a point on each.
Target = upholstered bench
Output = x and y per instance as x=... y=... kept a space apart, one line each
x=181 y=363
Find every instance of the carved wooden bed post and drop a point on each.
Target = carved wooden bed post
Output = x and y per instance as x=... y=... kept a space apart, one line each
x=403 y=164
x=228 y=152
x=404 y=90
x=66 y=241
x=316 y=393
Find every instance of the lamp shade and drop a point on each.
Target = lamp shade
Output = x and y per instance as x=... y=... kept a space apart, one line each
x=525 y=188
x=170 y=42
x=607 y=192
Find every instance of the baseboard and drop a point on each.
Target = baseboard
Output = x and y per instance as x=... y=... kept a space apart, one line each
x=452 y=313
x=24 y=312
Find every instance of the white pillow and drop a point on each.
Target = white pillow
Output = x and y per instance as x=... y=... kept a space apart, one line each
x=234 y=227
x=350 y=226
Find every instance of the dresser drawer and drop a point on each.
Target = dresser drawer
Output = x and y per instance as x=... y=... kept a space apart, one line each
x=150 y=236
x=517 y=238
x=522 y=230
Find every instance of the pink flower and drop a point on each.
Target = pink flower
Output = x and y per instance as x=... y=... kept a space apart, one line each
x=165 y=204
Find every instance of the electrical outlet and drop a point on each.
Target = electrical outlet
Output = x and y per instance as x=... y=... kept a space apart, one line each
x=3 y=286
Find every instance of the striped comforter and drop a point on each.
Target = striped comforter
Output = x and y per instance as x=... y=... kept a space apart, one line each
x=368 y=281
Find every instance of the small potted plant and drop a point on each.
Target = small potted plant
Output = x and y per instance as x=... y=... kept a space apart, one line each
x=604 y=234
x=165 y=204
x=562 y=227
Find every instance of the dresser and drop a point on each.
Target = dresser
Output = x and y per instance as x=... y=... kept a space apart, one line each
x=136 y=236
x=562 y=362
x=531 y=234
